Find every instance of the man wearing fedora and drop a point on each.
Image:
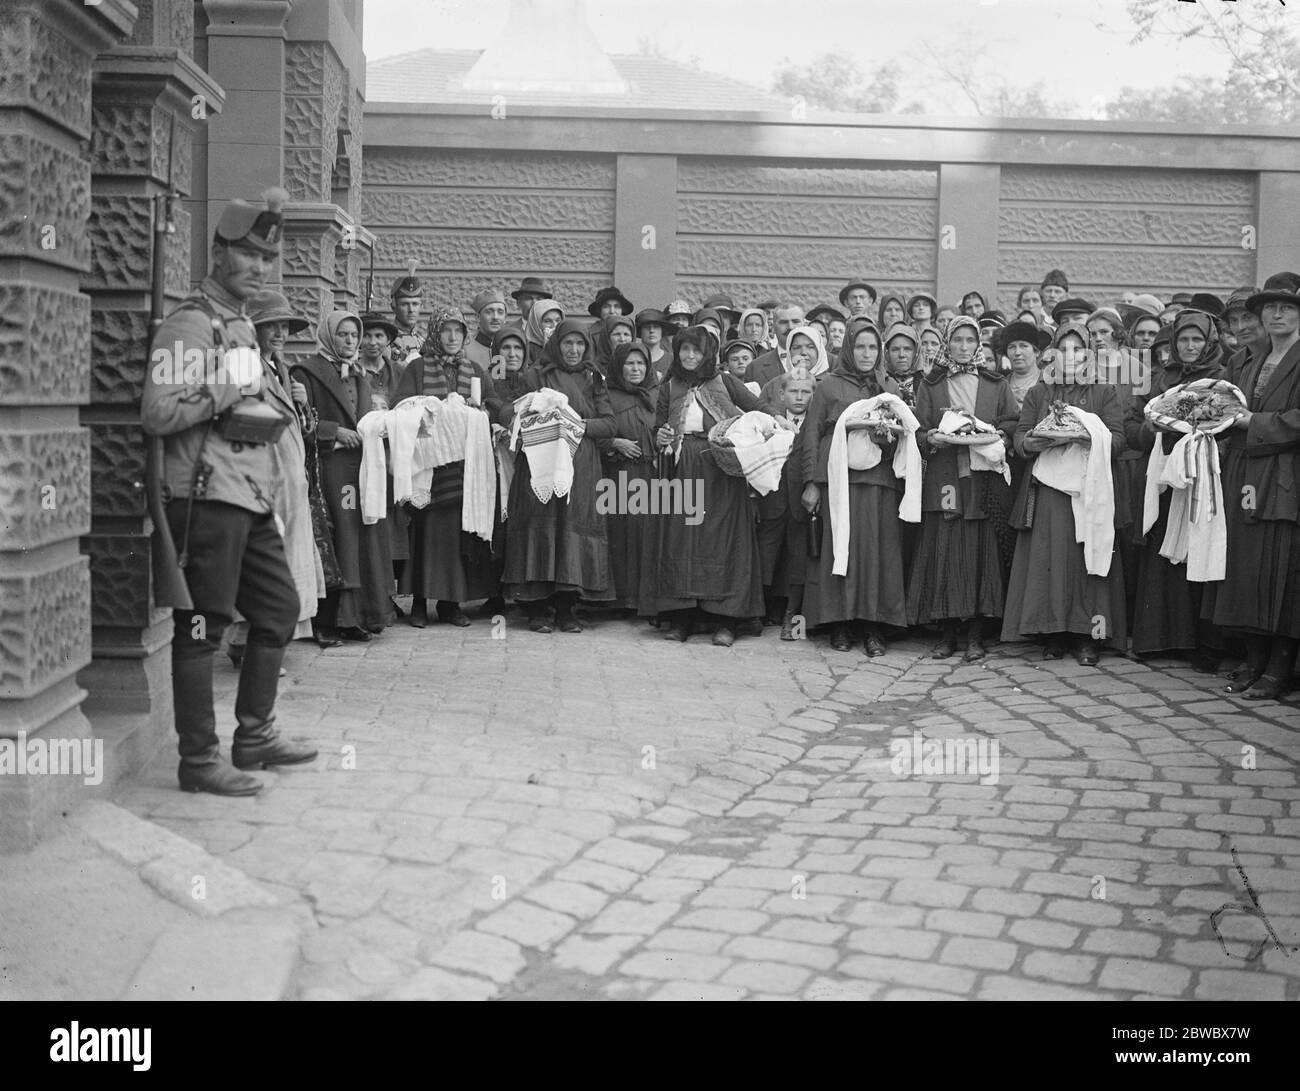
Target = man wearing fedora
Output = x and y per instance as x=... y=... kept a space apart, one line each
x=858 y=297
x=530 y=290
x=490 y=307
x=219 y=484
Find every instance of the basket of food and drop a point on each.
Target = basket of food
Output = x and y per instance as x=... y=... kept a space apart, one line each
x=1060 y=425
x=966 y=429
x=753 y=446
x=1203 y=405
x=724 y=450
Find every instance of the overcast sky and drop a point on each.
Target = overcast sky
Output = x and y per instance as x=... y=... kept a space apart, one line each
x=1080 y=49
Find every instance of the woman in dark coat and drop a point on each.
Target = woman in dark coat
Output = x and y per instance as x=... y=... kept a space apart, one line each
x=447 y=564
x=1167 y=606
x=873 y=588
x=1051 y=592
x=628 y=456
x=607 y=334
x=957 y=575
x=340 y=396
x=1260 y=596
x=711 y=563
x=559 y=549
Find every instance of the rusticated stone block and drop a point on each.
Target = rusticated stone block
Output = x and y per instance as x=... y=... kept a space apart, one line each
x=332 y=95
x=121 y=579
x=304 y=121
x=164 y=23
x=124 y=140
x=302 y=255
x=307 y=174
x=43 y=632
x=1176 y=269
x=813 y=218
x=309 y=301
x=44 y=201
x=489 y=209
x=1061 y=225
x=118 y=339
x=808 y=260
x=44 y=486
x=121 y=233
x=43 y=70
x=555 y=251
x=304 y=68
x=730 y=176
x=117 y=470
x=475 y=170
x=1140 y=186
x=44 y=345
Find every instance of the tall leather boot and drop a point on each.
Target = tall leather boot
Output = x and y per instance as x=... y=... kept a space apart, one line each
x=202 y=768
x=1276 y=679
x=257 y=741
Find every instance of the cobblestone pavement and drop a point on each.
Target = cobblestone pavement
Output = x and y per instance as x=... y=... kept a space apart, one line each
x=614 y=816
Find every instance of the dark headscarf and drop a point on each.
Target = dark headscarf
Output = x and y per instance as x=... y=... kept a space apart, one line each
x=702 y=338
x=1211 y=357
x=647 y=390
x=507 y=333
x=602 y=349
x=967 y=295
x=846 y=368
x=880 y=310
x=551 y=355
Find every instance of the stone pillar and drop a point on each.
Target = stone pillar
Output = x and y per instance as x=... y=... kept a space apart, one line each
x=645 y=228
x=967 y=256
x=148 y=97
x=46 y=54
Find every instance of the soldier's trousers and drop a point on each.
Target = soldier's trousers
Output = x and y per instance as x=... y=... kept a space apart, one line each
x=236 y=561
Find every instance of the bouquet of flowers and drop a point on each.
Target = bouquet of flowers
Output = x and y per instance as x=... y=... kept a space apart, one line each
x=881 y=424
x=1204 y=405
x=965 y=428
x=1059 y=424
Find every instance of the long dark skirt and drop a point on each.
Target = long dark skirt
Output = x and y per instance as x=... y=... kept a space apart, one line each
x=1167 y=606
x=627 y=532
x=446 y=563
x=1050 y=589
x=998 y=501
x=363 y=555
x=562 y=545
x=958 y=570
x=714 y=565
x=1260 y=592
x=873 y=588
x=1130 y=476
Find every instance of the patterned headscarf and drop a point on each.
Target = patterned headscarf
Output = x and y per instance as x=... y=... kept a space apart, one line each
x=944 y=359
x=327 y=339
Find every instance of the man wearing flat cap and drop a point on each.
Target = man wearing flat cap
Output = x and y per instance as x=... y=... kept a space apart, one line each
x=490 y=306
x=203 y=394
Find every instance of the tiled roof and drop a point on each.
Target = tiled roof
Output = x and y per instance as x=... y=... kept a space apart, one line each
x=654 y=83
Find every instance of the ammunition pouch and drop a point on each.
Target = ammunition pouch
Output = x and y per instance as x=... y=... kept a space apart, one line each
x=251 y=421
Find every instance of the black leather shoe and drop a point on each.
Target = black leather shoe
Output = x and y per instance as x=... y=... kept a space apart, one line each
x=873 y=645
x=1243 y=679
x=219 y=778
x=540 y=625
x=842 y=639
x=1054 y=648
x=569 y=624
x=327 y=639
x=725 y=636
x=459 y=619
x=679 y=631
x=975 y=651
x=1267 y=688
x=356 y=634
x=275 y=751
x=1089 y=653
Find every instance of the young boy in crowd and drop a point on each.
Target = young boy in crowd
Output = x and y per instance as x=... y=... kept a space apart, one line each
x=737 y=355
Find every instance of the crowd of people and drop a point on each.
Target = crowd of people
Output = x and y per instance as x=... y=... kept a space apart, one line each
x=976 y=473
x=993 y=546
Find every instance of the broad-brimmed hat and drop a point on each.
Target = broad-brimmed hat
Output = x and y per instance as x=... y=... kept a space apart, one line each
x=1279 y=288
x=720 y=301
x=532 y=286
x=604 y=296
x=826 y=309
x=370 y=320
x=652 y=317
x=1021 y=331
x=679 y=306
x=269 y=305
x=486 y=298
x=257 y=225
x=769 y=304
x=1206 y=303
x=934 y=303
x=1073 y=305
x=844 y=292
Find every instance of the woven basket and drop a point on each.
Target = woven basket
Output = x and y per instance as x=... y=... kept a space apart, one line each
x=724 y=451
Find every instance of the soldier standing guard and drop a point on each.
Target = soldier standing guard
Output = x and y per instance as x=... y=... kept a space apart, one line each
x=407 y=303
x=203 y=395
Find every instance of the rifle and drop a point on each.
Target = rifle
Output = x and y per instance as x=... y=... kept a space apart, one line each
x=370 y=279
x=169 y=587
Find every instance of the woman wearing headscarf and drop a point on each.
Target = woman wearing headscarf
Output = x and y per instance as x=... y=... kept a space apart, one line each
x=558 y=549
x=901 y=361
x=1052 y=592
x=704 y=559
x=540 y=325
x=872 y=590
x=628 y=456
x=1167 y=605
x=754 y=327
x=1260 y=596
x=973 y=305
x=931 y=341
x=892 y=309
x=447 y=564
x=957 y=574
x=339 y=395
x=608 y=333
